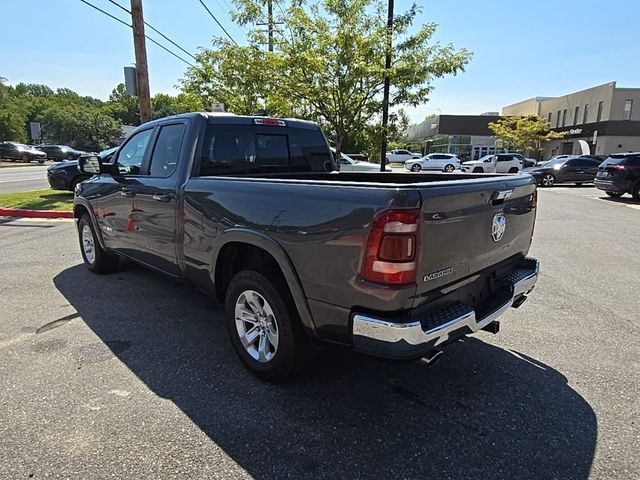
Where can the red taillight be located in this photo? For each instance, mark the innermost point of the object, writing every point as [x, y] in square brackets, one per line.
[390, 255]
[274, 122]
[617, 167]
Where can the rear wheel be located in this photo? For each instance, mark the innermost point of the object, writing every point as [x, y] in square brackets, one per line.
[614, 194]
[95, 258]
[548, 180]
[25, 158]
[415, 168]
[264, 326]
[69, 157]
[636, 191]
[578, 184]
[449, 168]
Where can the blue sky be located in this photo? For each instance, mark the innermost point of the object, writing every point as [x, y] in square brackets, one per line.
[522, 48]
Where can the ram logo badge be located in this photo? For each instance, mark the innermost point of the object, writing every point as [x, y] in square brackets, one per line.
[498, 226]
[438, 274]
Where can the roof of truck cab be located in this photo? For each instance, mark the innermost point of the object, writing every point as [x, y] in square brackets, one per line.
[226, 118]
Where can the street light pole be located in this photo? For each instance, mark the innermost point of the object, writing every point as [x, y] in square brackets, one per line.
[385, 94]
[144, 97]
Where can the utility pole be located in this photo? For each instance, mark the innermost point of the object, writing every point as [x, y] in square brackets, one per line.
[270, 20]
[140, 47]
[385, 94]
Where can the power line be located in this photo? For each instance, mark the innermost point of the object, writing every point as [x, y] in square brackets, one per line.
[130, 26]
[217, 21]
[155, 30]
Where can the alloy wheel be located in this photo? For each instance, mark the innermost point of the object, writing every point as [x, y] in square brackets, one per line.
[256, 326]
[548, 180]
[88, 244]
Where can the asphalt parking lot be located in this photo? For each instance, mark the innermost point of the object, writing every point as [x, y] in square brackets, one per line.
[131, 375]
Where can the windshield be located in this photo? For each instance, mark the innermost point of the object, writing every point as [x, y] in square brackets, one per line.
[348, 158]
[557, 161]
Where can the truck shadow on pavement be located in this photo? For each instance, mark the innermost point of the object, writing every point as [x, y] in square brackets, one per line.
[482, 412]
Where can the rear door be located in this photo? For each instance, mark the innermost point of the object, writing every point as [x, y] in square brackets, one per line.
[459, 219]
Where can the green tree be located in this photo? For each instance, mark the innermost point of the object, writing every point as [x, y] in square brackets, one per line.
[328, 65]
[122, 106]
[83, 128]
[522, 134]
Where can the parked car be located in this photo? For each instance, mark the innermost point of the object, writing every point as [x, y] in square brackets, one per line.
[398, 156]
[620, 174]
[497, 163]
[249, 210]
[575, 169]
[445, 162]
[66, 175]
[20, 152]
[348, 164]
[60, 152]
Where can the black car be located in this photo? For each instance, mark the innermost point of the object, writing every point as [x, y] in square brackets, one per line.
[60, 152]
[620, 174]
[576, 170]
[65, 175]
[20, 152]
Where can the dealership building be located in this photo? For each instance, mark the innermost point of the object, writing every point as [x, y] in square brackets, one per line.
[467, 136]
[606, 116]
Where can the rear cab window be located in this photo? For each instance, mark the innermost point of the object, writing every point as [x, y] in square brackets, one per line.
[246, 149]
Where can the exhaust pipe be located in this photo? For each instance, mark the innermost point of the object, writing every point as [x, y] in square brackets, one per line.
[432, 357]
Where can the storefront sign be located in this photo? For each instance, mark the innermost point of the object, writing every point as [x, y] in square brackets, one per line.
[575, 131]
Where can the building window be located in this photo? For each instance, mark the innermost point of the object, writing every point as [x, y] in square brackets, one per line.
[599, 117]
[585, 115]
[576, 113]
[564, 117]
[558, 119]
[549, 119]
[628, 105]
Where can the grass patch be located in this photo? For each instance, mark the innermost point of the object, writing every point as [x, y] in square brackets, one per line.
[58, 200]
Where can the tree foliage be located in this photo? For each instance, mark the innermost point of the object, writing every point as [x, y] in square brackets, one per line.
[328, 65]
[524, 133]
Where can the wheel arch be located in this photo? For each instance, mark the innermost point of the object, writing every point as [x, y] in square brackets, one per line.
[82, 207]
[241, 249]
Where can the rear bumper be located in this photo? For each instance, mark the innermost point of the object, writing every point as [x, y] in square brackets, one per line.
[405, 340]
[610, 186]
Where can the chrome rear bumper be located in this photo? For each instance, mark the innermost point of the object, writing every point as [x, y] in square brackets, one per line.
[413, 339]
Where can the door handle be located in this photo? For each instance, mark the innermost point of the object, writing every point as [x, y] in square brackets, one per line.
[125, 192]
[162, 197]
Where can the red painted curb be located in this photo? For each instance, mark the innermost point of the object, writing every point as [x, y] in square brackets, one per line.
[22, 213]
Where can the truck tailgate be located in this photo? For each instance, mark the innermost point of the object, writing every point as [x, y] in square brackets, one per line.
[473, 225]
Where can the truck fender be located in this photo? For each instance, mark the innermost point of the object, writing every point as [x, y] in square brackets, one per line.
[273, 248]
[80, 202]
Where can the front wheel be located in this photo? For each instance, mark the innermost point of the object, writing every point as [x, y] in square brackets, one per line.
[513, 170]
[449, 168]
[264, 326]
[548, 180]
[478, 170]
[95, 258]
[415, 168]
[25, 158]
[614, 194]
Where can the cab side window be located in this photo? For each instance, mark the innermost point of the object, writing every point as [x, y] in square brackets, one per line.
[131, 155]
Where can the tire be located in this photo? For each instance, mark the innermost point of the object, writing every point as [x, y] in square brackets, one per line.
[478, 170]
[513, 170]
[614, 194]
[95, 258]
[635, 192]
[272, 316]
[416, 168]
[25, 158]
[449, 168]
[548, 180]
[69, 157]
[579, 184]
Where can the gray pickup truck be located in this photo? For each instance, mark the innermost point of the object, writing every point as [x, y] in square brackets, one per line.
[249, 210]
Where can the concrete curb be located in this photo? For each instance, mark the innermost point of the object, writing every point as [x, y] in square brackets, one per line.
[23, 213]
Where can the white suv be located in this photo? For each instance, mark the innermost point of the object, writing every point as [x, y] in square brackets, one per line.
[499, 163]
[446, 162]
[399, 156]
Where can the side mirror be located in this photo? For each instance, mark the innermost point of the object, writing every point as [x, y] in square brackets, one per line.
[90, 165]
